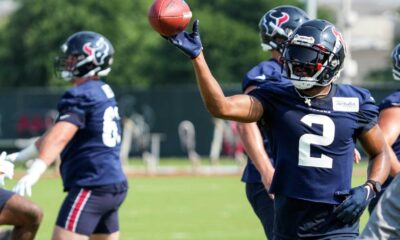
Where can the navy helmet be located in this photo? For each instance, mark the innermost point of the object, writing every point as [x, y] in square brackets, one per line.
[278, 24]
[396, 62]
[84, 54]
[314, 54]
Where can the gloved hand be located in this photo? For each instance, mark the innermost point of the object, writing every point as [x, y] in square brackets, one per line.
[6, 168]
[188, 43]
[350, 210]
[24, 185]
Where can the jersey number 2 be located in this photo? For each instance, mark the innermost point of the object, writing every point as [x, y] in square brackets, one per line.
[328, 135]
[111, 136]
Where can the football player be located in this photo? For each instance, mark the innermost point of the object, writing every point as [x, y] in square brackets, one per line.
[384, 222]
[15, 210]
[275, 27]
[87, 134]
[313, 125]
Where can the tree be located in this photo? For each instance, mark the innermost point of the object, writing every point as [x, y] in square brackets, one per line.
[31, 38]
[35, 32]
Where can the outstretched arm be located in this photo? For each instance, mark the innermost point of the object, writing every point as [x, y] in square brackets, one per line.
[389, 123]
[242, 108]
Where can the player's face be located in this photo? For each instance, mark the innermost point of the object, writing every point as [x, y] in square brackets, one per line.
[303, 70]
[305, 61]
[70, 63]
[65, 66]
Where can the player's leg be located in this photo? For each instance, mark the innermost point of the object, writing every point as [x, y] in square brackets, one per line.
[75, 219]
[112, 236]
[84, 210]
[20, 212]
[262, 205]
[108, 226]
[60, 233]
[384, 222]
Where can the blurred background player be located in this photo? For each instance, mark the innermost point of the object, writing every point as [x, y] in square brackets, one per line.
[87, 134]
[313, 125]
[15, 210]
[275, 28]
[389, 122]
[384, 222]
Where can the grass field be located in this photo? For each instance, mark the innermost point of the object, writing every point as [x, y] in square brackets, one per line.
[174, 208]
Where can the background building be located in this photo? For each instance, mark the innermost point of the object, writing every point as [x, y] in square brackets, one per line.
[370, 29]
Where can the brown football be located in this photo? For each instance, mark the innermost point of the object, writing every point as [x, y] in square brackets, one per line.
[169, 17]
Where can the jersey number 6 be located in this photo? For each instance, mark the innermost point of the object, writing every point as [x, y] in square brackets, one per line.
[111, 136]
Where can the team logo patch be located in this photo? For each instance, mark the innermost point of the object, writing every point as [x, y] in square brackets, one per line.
[345, 104]
[282, 19]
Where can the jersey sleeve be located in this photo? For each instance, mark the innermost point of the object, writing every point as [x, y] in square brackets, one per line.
[266, 93]
[71, 109]
[267, 70]
[368, 113]
[393, 100]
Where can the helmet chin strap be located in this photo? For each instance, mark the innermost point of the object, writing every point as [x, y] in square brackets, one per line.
[303, 84]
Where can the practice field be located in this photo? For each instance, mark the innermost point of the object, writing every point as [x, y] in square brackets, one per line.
[174, 207]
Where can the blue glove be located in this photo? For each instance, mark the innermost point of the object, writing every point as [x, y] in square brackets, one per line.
[351, 209]
[189, 43]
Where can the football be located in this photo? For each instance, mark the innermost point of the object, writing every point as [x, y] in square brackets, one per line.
[169, 17]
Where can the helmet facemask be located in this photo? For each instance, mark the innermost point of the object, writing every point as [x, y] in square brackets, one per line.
[68, 66]
[305, 66]
[276, 40]
[396, 63]
[309, 66]
[396, 74]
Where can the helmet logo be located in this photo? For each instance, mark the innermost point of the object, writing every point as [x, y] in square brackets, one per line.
[339, 37]
[98, 50]
[281, 20]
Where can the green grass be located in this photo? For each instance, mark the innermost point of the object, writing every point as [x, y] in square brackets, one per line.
[174, 208]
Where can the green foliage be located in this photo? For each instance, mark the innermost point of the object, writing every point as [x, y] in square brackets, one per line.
[30, 39]
[384, 75]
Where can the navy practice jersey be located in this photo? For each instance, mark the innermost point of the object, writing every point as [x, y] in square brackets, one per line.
[265, 71]
[393, 100]
[313, 140]
[91, 158]
[269, 70]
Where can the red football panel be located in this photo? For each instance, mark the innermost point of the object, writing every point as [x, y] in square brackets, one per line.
[169, 17]
[173, 25]
[173, 8]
